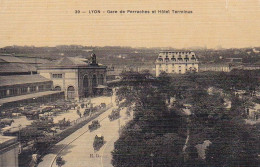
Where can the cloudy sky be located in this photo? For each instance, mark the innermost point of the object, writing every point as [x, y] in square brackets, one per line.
[226, 23]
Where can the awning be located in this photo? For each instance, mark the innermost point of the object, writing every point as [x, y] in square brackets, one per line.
[101, 87]
[28, 96]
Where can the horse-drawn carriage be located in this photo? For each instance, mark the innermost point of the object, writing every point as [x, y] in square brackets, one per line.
[98, 141]
[86, 112]
[5, 122]
[31, 115]
[94, 125]
[115, 114]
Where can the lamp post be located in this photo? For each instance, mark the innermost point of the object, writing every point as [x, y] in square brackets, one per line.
[152, 155]
[19, 138]
[119, 129]
[111, 96]
[34, 100]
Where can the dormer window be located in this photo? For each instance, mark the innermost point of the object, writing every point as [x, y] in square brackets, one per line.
[173, 59]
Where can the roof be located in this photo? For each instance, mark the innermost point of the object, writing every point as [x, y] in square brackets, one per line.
[34, 60]
[99, 135]
[27, 96]
[21, 79]
[6, 141]
[68, 62]
[71, 61]
[11, 59]
[16, 67]
[176, 54]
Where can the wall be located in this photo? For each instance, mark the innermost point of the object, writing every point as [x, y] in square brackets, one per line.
[9, 155]
[69, 78]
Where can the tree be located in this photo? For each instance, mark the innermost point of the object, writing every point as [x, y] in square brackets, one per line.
[154, 127]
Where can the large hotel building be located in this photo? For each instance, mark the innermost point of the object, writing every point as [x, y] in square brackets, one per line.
[176, 62]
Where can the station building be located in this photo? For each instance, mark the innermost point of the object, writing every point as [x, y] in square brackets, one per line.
[77, 77]
[68, 77]
[20, 83]
[9, 149]
[176, 62]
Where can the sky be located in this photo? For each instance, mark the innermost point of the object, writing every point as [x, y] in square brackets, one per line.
[213, 23]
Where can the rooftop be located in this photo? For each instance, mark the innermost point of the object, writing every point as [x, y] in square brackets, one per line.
[10, 59]
[21, 79]
[68, 62]
[175, 55]
[16, 68]
[6, 141]
[33, 60]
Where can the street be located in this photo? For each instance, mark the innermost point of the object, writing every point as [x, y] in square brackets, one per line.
[77, 149]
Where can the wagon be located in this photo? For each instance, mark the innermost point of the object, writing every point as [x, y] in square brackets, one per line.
[98, 141]
[87, 112]
[114, 115]
[94, 125]
[5, 122]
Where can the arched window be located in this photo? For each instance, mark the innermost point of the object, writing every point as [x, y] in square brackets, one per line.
[173, 59]
[71, 92]
[71, 88]
[85, 86]
[101, 79]
[57, 88]
[85, 81]
[94, 81]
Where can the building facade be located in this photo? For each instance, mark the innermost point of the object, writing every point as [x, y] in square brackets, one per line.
[17, 85]
[9, 149]
[176, 62]
[77, 77]
[224, 67]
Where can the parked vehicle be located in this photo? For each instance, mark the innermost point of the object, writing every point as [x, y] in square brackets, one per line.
[86, 112]
[63, 123]
[94, 125]
[98, 141]
[31, 115]
[12, 131]
[103, 105]
[5, 122]
[115, 114]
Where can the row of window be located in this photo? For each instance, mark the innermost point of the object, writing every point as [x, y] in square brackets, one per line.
[179, 70]
[23, 90]
[176, 53]
[179, 59]
[56, 75]
[160, 65]
[100, 78]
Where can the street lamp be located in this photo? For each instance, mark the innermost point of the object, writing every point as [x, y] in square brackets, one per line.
[111, 96]
[19, 138]
[152, 155]
[119, 130]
